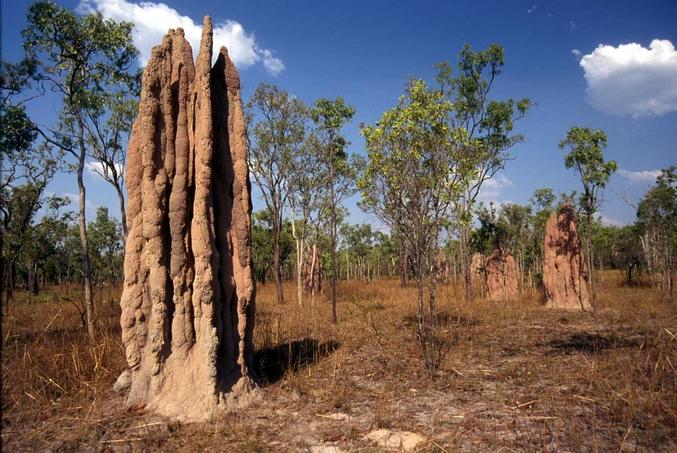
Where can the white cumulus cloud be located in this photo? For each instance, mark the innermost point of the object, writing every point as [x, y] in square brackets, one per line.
[639, 177]
[492, 188]
[98, 170]
[608, 221]
[152, 20]
[631, 79]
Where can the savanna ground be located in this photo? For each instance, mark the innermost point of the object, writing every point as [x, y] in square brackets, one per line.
[515, 377]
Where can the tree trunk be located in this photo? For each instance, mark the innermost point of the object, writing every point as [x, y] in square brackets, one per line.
[300, 249]
[591, 262]
[465, 258]
[33, 287]
[3, 276]
[277, 265]
[313, 263]
[123, 212]
[403, 264]
[84, 242]
[333, 221]
[11, 283]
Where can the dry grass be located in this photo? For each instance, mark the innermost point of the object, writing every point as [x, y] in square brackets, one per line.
[515, 376]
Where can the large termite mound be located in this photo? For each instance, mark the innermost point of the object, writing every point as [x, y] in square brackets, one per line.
[501, 276]
[188, 298]
[565, 278]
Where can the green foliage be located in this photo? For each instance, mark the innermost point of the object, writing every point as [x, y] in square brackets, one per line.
[85, 59]
[22, 161]
[105, 247]
[357, 239]
[616, 247]
[330, 116]
[415, 172]
[262, 243]
[586, 157]
[657, 225]
[31, 243]
[543, 199]
[17, 132]
[489, 124]
[277, 131]
[511, 228]
[416, 165]
[659, 205]
[489, 234]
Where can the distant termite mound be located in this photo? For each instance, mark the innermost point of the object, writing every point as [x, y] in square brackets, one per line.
[477, 267]
[443, 266]
[565, 278]
[501, 276]
[188, 298]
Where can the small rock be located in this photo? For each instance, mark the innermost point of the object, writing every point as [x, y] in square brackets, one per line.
[340, 416]
[325, 449]
[395, 440]
[123, 382]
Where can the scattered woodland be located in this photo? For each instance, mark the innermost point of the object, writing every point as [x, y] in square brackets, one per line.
[359, 327]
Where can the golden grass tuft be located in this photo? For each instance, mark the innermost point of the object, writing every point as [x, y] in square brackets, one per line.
[514, 376]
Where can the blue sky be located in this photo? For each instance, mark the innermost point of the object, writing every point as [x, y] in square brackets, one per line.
[365, 51]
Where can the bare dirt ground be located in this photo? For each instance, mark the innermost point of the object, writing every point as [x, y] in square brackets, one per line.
[515, 377]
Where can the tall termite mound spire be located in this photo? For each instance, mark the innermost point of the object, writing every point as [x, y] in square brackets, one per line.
[501, 276]
[188, 298]
[565, 278]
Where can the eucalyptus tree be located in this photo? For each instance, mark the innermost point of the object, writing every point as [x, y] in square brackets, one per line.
[358, 245]
[20, 207]
[329, 117]
[108, 143]
[542, 203]
[17, 137]
[307, 193]
[277, 132]
[40, 239]
[416, 170]
[586, 156]
[17, 130]
[87, 61]
[27, 167]
[488, 124]
[657, 224]
[106, 247]
[262, 243]
[516, 221]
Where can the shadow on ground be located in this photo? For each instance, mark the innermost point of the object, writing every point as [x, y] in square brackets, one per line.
[272, 363]
[590, 343]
